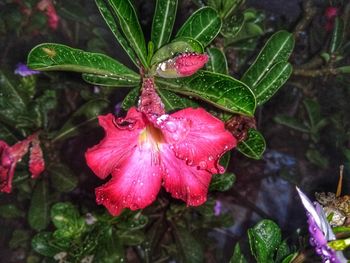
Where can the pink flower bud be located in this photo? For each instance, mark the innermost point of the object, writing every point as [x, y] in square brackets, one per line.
[36, 160]
[331, 12]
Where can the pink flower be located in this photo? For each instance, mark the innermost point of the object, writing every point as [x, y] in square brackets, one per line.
[331, 13]
[11, 155]
[183, 65]
[180, 151]
[49, 8]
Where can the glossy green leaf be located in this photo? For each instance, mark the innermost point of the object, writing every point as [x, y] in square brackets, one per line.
[337, 36]
[254, 146]
[179, 45]
[110, 249]
[203, 25]
[225, 7]
[10, 211]
[237, 256]
[163, 22]
[277, 49]
[222, 182]
[131, 28]
[86, 114]
[264, 239]
[131, 99]
[222, 91]
[38, 214]
[108, 17]
[63, 179]
[173, 101]
[43, 243]
[232, 25]
[313, 111]
[49, 56]
[272, 81]
[110, 81]
[291, 122]
[217, 61]
[189, 248]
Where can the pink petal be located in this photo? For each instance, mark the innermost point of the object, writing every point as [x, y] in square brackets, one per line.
[189, 63]
[118, 145]
[36, 159]
[183, 181]
[198, 138]
[135, 184]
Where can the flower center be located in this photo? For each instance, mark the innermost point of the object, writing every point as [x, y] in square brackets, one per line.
[151, 138]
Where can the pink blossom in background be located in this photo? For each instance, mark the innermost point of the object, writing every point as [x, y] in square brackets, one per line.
[48, 7]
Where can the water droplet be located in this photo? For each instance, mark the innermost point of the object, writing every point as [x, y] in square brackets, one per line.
[203, 164]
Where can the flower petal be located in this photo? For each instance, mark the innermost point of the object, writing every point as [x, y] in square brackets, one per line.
[118, 144]
[134, 185]
[198, 138]
[183, 181]
[36, 159]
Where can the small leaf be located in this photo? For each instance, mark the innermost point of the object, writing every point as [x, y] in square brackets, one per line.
[337, 36]
[172, 101]
[264, 238]
[49, 56]
[217, 61]
[43, 243]
[291, 122]
[282, 252]
[136, 221]
[222, 182]
[86, 114]
[19, 238]
[203, 25]
[237, 257]
[277, 49]
[189, 248]
[222, 91]
[10, 211]
[131, 99]
[63, 179]
[232, 25]
[38, 214]
[131, 238]
[131, 28]
[272, 81]
[344, 69]
[108, 17]
[315, 157]
[110, 81]
[254, 146]
[313, 110]
[110, 249]
[179, 45]
[163, 22]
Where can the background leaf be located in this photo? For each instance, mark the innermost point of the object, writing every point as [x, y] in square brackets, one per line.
[217, 61]
[173, 101]
[203, 25]
[291, 122]
[254, 146]
[188, 247]
[222, 182]
[163, 22]
[222, 91]
[337, 35]
[110, 81]
[63, 179]
[232, 25]
[237, 256]
[131, 99]
[131, 28]
[277, 49]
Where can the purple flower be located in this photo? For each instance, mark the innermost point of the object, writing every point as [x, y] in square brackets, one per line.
[24, 71]
[217, 208]
[320, 231]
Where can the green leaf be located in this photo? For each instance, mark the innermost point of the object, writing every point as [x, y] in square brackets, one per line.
[131, 99]
[237, 256]
[203, 25]
[63, 179]
[110, 81]
[282, 252]
[10, 211]
[264, 239]
[344, 69]
[315, 157]
[222, 91]
[189, 248]
[217, 61]
[38, 214]
[6, 135]
[232, 25]
[313, 110]
[110, 249]
[222, 182]
[19, 238]
[49, 56]
[291, 122]
[135, 221]
[86, 114]
[108, 17]
[254, 146]
[163, 22]
[337, 36]
[277, 49]
[272, 81]
[43, 243]
[131, 28]
[290, 258]
[179, 45]
[172, 101]
[131, 238]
